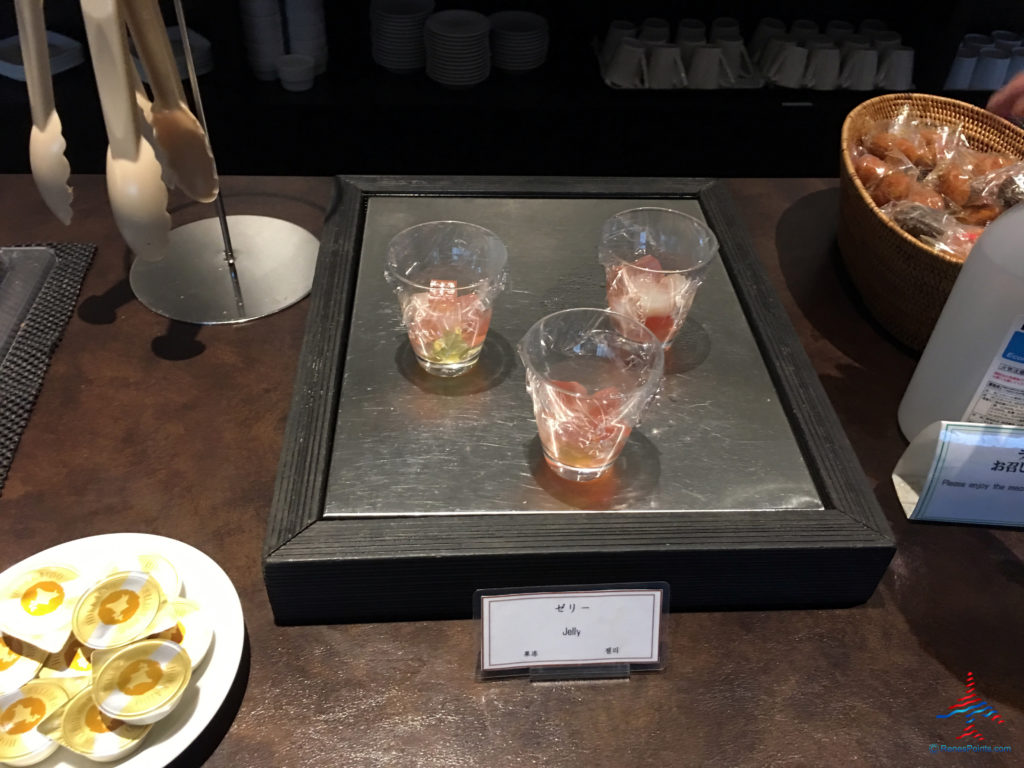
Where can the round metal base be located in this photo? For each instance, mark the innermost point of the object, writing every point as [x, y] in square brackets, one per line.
[447, 370]
[577, 474]
[274, 264]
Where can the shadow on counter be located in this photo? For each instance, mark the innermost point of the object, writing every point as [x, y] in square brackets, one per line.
[942, 581]
[857, 371]
[823, 289]
[943, 575]
[179, 342]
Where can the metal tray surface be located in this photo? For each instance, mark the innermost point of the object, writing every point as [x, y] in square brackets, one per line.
[408, 443]
[399, 494]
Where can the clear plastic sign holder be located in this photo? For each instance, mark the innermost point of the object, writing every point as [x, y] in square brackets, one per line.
[229, 269]
[571, 632]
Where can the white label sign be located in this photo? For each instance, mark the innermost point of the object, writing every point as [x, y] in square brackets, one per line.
[964, 473]
[537, 629]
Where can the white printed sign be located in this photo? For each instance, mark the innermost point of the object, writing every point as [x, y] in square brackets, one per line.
[536, 629]
[961, 472]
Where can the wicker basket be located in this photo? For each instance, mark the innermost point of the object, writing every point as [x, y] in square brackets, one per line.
[903, 282]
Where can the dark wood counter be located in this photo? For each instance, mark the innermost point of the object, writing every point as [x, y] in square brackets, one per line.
[149, 425]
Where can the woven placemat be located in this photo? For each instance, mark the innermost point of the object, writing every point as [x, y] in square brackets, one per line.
[25, 364]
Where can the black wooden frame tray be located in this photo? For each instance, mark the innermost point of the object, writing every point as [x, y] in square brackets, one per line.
[321, 569]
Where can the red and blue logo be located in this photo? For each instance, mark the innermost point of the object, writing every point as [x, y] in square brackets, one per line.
[973, 708]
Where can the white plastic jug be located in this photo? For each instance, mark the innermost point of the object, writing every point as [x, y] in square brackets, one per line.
[972, 368]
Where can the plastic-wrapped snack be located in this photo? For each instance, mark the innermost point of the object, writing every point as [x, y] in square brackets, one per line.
[1011, 189]
[932, 227]
[925, 195]
[900, 185]
[894, 186]
[870, 169]
[886, 179]
[964, 177]
[979, 214]
[932, 184]
[1002, 187]
[958, 239]
[987, 162]
[887, 145]
[953, 180]
[940, 143]
[919, 143]
[917, 220]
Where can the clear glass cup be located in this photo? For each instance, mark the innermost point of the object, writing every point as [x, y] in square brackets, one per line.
[446, 275]
[591, 374]
[655, 260]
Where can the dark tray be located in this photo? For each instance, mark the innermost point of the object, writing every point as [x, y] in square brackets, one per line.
[399, 494]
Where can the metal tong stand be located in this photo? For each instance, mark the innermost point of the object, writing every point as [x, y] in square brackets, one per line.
[201, 281]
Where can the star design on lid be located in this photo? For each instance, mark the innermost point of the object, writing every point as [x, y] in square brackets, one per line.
[79, 662]
[7, 656]
[141, 678]
[22, 714]
[44, 598]
[22, 717]
[119, 607]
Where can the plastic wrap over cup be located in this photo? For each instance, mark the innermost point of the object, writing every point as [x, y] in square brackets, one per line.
[591, 374]
[446, 275]
[655, 260]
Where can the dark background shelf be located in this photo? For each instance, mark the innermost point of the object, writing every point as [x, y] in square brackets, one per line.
[559, 119]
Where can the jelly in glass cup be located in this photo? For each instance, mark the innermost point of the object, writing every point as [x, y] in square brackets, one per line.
[446, 275]
[655, 260]
[591, 374]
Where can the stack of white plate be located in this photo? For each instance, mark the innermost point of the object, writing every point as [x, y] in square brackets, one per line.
[264, 36]
[396, 31]
[307, 31]
[458, 48]
[519, 40]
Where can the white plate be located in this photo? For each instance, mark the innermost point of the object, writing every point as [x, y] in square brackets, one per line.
[456, 24]
[204, 582]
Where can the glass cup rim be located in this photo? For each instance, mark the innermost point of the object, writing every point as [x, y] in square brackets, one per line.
[712, 240]
[653, 341]
[391, 270]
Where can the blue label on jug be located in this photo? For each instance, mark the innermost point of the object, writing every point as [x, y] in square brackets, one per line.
[1015, 348]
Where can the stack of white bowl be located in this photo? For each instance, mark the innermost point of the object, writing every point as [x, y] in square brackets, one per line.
[264, 36]
[396, 31]
[458, 48]
[307, 31]
[519, 40]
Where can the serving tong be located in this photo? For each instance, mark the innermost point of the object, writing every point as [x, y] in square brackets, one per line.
[156, 143]
[46, 145]
[153, 144]
[178, 133]
[138, 197]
